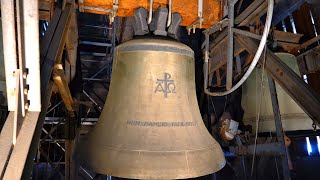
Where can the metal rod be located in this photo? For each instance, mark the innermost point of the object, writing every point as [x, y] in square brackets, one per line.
[96, 74]
[95, 79]
[94, 102]
[92, 60]
[169, 14]
[229, 76]
[95, 43]
[150, 12]
[93, 54]
[94, 26]
[54, 107]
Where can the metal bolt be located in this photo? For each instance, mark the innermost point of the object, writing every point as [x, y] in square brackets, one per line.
[25, 91]
[24, 75]
[26, 106]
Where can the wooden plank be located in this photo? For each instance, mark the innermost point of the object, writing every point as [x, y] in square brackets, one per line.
[44, 15]
[46, 40]
[57, 44]
[218, 54]
[44, 5]
[257, 13]
[6, 138]
[45, 100]
[54, 53]
[286, 36]
[254, 5]
[20, 151]
[288, 47]
[306, 44]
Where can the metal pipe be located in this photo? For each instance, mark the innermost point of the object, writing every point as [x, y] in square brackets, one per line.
[169, 14]
[94, 26]
[95, 79]
[94, 102]
[200, 9]
[96, 74]
[150, 12]
[93, 54]
[229, 76]
[95, 43]
[253, 63]
[54, 107]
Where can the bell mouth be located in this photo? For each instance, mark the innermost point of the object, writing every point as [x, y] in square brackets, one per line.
[135, 164]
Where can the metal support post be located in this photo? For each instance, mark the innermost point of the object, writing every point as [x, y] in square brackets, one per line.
[279, 129]
[229, 76]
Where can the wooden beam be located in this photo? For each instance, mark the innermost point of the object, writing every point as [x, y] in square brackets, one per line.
[6, 138]
[286, 36]
[256, 14]
[55, 49]
[249, 10]
[218, 54]
[20, 151]
[54, 54]
[306, 44]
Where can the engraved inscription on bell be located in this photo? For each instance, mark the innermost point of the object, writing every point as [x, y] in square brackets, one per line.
[165, 85]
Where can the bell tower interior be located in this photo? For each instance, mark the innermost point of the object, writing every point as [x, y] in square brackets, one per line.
[159, 89]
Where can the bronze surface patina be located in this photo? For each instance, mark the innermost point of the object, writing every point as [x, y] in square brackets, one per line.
[151, 127]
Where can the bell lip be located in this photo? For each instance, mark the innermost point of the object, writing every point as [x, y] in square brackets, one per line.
[215, 150]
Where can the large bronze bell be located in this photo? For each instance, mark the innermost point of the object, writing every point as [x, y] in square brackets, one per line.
[150, 126]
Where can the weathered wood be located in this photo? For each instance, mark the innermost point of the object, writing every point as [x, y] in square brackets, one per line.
[46, 40]
[45, 4]
[57, 43]
[44, 15]
[20, 151]
[45, 100]
[249, 10]
[218, 54]
[72, 47]
[303, 23]
[286, 36]
[256, 14]
[6, 142]
[70, 134]
[56, 47]
[293, 84]
[288, 47]
[218, 38]
[306, 44]
[279, 128]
